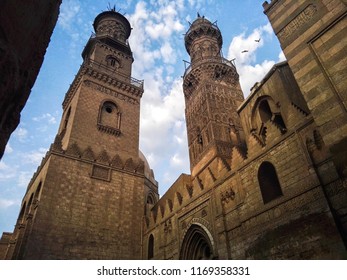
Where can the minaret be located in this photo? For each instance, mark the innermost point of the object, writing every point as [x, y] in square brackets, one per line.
[89, 196]
[212, 94]
[104, 81]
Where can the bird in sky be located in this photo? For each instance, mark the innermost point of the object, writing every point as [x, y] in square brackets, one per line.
[244, 51]
[258, 40]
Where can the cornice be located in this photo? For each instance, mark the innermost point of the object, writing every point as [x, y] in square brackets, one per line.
[133, 88]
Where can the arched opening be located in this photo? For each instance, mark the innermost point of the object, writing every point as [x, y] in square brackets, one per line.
[268, 181]
[150, 247]
[109, 119]
[264, 111]
[150, 199]
[112, 61]
[65, 123]
[30, 204]
[67, 118]
[37, 192]
[196, 245]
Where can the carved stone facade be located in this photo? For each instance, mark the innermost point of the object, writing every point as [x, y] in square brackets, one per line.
[268, 176]
[24, 39]
[268, 173]
[88, 197]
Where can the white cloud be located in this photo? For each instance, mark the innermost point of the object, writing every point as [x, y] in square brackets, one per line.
[281, 57]
[156, 26]
[244, 50]
[163, 133]
[5, 203]
[8, 149]
[68, 11]
[6, 172]
[24, 178]
[46, 117]
[34, 157]
[21, 133]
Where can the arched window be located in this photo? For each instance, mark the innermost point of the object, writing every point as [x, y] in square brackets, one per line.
[112, 62]
[150, 247]
[264, 111]
[150, 199]
[109, 119]
[21, 213]
[66, 121]
[196, 245]
[268, 181]
[30, 204]
[38, 190]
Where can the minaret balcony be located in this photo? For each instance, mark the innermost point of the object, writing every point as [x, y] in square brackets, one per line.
[207, 60]
[92, 64]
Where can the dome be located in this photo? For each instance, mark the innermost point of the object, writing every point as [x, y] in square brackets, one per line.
[113, 24]
[149, 174]
[202, 27]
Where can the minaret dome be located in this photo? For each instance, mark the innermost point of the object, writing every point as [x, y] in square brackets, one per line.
[112, 24]
[202, 28]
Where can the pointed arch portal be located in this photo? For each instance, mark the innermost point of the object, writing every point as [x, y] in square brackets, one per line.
[196, 244]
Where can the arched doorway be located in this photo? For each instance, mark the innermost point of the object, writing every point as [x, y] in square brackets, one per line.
[196, 244]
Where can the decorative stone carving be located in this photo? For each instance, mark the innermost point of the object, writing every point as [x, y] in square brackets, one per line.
[227, 196]
[109, 130]
[88, 154]
[162, 210]
[108, 91]
[57, 145]
[179, 198]
[140, 167]
[129, 165]
[103, 157]
[211, 174]
[169, 202]
[190, 190]
[117, 162]
[73, 150]
[203, 213]
[101, 172]
[200, 183]
[305, 16]
[168, 226]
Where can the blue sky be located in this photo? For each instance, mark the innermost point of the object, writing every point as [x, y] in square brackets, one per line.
[157, 42]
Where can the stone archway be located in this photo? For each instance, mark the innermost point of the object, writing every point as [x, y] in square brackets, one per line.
[197, 244]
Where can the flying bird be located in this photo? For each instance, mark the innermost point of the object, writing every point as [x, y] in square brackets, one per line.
[258, 40]
[244, 51]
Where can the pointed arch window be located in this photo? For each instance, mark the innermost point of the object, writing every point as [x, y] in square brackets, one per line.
[109, 119]
[268, 181]
[150, 247]
[196, 245]
[66, 121]
[21, 216]
[112, 62]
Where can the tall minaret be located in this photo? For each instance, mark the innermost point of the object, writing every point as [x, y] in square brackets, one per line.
[91, 192]
[212, 94]
[104, 82]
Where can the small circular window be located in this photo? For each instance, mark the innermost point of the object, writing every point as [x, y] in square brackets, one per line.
[108, 109]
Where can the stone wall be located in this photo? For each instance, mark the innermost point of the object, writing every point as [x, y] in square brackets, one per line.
[296, 224]
[25, 31]
[312, 36]
[87, 209]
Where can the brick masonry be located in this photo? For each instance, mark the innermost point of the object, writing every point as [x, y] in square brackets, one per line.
[268, 174]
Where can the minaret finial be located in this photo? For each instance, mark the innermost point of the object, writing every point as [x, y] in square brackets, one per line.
[111, 9]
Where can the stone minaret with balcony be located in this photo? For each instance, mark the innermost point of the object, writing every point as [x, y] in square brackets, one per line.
[88, 197]
[212, 95]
